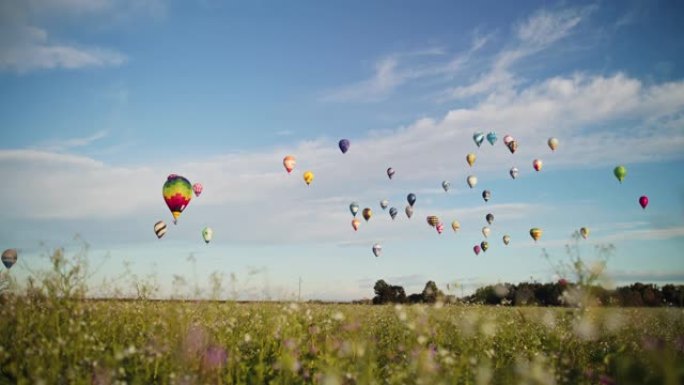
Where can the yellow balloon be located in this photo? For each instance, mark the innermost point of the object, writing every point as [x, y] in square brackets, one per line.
[470, 158]
[455, 225]
[308, 177]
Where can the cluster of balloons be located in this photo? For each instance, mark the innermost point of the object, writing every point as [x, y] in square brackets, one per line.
[177, 192]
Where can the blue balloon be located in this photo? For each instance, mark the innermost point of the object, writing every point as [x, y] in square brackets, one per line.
[344, 145]
[491, 138]
[393, 212]
[411, 198]
[478, 138]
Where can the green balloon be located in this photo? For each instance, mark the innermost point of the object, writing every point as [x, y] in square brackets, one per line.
[620, 173]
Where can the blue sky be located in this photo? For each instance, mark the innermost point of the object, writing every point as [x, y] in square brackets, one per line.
[101, 99]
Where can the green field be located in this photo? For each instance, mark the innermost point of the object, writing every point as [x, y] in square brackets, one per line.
[51, 340]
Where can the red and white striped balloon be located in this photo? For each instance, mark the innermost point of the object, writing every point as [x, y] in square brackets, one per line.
[197, 188]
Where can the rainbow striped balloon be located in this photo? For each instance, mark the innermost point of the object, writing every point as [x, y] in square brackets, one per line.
[177, 193]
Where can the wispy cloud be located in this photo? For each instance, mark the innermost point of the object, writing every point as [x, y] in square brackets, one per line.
[72, 143]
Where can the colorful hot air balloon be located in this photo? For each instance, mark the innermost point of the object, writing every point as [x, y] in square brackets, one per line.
[506, 239]
[308, 177]
[486, 195]
[197, 189]
[584, 232]
[484, 246]
[477, 249]
[207, 234]
[432, 220]
[344, 145]
[537, 164]
[160, 229]
[471, 180]
[367, 213]
[177, 192]
[384, 203]
[289, 162]
[439, 227]
[620, 173]
[491, 137]
[489, 218]
[411, 198]
[643, 201]
[390, 172]
[9, 258]
[355, 224]
[409, 211]
[393, 212]
[486, 231]
[478, 138]
[514, 172]
[354, 208]
[536, 233]
[455, 225]
[377, 249]
[470, 158]
[553, 144]
[507, 139]
[512, 146]
[446, 185]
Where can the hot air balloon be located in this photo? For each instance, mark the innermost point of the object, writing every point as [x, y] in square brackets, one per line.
[377, 249]
[197, 189]
[409, 211]
[490, 218]
[384, 203]
[344, 145]
[207, 234]
[393, 212]
[486, 231]
[308, 177]
[484, 246]
[289, 162]
[455, 225]
[536, 233]
[354, 208]
[514, 172]
[507, 139]
[620, 173]
[477, 249]
[160, 229]
[486, 195]
[470, 158]
[367, 213]
[506, 239]
[446, 185]
[9, 258]
[478, 138]
[390, 172]
[643, 201]
[537, 164]
[177, 192]
[584, 232]
[553, 144]
[432, 220]
[411, 198]
[491, 138]
[355, 224]
[512, 146]
[472, 181]
[439, 228]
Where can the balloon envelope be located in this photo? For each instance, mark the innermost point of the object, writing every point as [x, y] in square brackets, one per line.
[355, 224]
[470, 158]
[486, 231]
[367, 213]
[478, 138]
[514, 172]
[446, 185]
[489, 218]
[486, 195]
[512, 146]
[411, 198]
[344, 145]
[455, 225]
[207, 234]
[289, 162]
[9, 257]
[537, 164]
[477, 249]
[409, 211]
[390, 172]
[472, 181]
[484, 246]
[177, 193]
[584, 232]
[506, 239]
[377, 249]
[536, 233]
[439, 228]
[643, 201]
[432, 220]
[393, 212]
[553, 144]
[197, 189]
[507, 139]
[160, 229]
[620, 173]
[354, 208]
[491, 138]
[308, 177]
[384, 203]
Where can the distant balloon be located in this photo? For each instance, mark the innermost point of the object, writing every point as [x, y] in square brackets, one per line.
[355, 223]
[478, 138]
[354, 208]
[384, 203]
[197, 189]
[620, 173]
[470, 158]
[490, 218]
[536, 233]
[9, 258]
[344, 145]
[439, 228]
[477, 249]
[432, 220]
[484, 246]
[584, 232]
[207, 234]
[308, 177]
[393, 212]
[367, 213]
[537, 164]
[506, 239]
[512, 146]
[377, 249]
[160, 229]
[289, 162]
[472, 181]
[553, 144]
[643, 201]
[486, 195]
[390, 172]
[177, 192]
[455, 225]
[409, 211]
[514, 172]
[507, 139]
[446, 185]
[411, 198]
[491, 138]
[486, 231]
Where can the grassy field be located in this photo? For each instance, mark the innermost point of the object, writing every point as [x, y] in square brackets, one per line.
[52, 340]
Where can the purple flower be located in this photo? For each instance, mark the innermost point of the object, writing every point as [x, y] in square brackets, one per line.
[215, 357]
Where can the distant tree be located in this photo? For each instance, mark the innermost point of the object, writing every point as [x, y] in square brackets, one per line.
[415, 298]
[386, 293]
[431, 293]
[673, 295]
